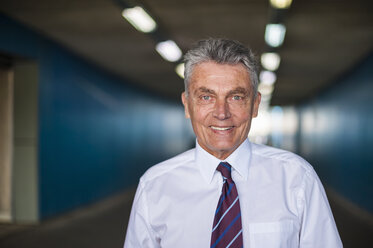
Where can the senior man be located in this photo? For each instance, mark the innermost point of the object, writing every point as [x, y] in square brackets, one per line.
[227, 191]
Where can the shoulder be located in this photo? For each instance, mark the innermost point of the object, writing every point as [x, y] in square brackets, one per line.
[286, 166]
[278, 157]
[168, 166]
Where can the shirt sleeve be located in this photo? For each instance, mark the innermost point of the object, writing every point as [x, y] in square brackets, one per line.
[318, 227]
[139, 231]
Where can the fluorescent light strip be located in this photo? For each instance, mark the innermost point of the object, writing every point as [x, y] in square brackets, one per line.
[141, 20]
[180, 70]
[281, 4]
[270, 61]
[265, 89]
[169, 50]
[267, 77]
[275, 34]
[265, 98]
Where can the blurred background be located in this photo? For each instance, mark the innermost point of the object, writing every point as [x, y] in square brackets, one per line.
[90, 98]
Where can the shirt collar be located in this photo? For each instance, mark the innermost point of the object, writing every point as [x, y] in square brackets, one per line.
[239, 160]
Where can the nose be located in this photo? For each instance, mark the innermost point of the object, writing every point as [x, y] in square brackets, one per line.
[221, 110]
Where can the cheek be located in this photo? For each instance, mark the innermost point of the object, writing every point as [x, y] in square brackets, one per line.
[201, 113]
[244, 120]
[242, 115]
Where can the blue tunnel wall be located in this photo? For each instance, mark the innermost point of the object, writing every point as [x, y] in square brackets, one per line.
[97, 134]
[336, 134]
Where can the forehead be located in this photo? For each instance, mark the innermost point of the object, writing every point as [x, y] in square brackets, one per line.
[218, 76]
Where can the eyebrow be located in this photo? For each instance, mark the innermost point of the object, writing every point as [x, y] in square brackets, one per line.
[204, 90]
[238, 90]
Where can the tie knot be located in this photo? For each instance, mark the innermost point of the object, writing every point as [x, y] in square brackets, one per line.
[225, 169]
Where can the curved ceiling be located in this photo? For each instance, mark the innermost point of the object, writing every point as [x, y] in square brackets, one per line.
[323, 38]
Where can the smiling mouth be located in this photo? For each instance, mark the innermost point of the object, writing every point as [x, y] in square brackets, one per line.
[221, 128]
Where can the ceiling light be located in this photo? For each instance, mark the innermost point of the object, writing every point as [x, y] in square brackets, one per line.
[267, 77]
[169, 50]
[180, 70]
[265, 89]
[141, 20]
[270, 61]
[265, 99]
[275, 34]
[281, 4]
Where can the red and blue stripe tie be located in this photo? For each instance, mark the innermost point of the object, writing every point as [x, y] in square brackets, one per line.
[227, 227]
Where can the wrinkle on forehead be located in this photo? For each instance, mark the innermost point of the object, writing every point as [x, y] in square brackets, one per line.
[222, 77]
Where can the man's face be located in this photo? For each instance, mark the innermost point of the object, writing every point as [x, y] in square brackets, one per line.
[220, 105]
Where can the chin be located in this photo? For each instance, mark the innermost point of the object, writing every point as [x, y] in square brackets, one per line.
[224, 147]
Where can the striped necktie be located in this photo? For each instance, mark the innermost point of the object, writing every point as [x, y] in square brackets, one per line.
[227, 227]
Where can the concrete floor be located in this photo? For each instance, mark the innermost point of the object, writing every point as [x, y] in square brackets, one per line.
[104, 224]
[100, 225]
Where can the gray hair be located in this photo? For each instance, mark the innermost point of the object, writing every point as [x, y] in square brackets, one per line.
[221, 51]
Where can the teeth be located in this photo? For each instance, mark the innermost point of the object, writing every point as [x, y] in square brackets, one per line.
[220, 128]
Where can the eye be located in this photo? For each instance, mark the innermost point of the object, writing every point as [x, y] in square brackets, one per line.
[237, 98]
[206, 98]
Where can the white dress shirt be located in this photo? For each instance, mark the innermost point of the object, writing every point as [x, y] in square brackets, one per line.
[283, 203]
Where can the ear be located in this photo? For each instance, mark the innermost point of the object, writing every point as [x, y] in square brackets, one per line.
[256, 104]
[184, 99]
